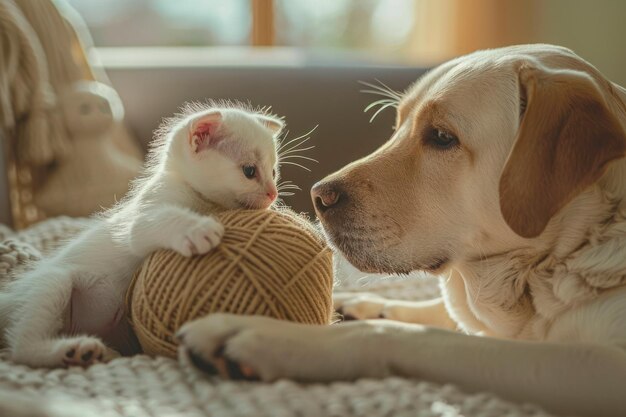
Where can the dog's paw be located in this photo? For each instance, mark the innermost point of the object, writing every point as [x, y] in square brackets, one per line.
[250, 347]
[360, 306]
[199, 237]
[212, 345]
[84, 351]
[260, 348]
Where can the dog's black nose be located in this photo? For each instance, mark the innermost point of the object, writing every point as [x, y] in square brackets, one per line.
[326, 195]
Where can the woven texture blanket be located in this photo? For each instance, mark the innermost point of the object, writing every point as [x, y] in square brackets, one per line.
[142, 386]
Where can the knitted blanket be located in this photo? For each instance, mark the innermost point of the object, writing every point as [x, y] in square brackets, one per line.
[142, 386]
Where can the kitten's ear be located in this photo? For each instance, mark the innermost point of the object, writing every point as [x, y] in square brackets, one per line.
[274, 124]
[203, 131]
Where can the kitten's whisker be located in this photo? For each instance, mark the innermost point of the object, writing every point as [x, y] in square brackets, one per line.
[301, 157]
[285, 194]
[288, 147]
[284, 142]
[308, 148]
[282, 145]
[287, 185]
[295, 187]
[296, 164]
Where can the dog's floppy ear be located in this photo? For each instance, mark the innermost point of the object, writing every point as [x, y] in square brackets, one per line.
[566, 138]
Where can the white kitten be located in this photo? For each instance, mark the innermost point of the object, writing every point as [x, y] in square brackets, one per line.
[209, 158]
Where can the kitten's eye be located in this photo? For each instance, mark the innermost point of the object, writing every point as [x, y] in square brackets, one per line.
[273, 173]
[441, 139]
[249, 171]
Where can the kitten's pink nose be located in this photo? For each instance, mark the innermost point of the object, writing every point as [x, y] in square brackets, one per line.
[272, 193]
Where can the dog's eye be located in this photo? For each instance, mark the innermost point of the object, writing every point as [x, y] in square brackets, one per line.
[249, 171]
[442, 139]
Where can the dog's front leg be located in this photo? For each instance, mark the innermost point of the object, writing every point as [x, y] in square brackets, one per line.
[581, 379]
[568, 378]
[363, 306]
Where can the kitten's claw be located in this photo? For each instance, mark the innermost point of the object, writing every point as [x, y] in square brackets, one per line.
[200, 237]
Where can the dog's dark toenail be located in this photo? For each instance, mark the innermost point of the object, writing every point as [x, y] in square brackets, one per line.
[70, 353]
[87, 356]
[199, 362]
[233, 370]
[219, 352]
[381, 316]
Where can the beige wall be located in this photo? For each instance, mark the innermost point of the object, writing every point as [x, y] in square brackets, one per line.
[594, 29]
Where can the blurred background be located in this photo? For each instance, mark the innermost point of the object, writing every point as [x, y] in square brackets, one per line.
[422, 32]
[310, 55]
[305, 58]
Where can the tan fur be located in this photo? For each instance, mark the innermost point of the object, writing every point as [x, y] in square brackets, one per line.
[524, 221]
[514, 204]
[567, 137]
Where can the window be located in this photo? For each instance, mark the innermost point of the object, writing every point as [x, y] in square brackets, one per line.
[383, 28]
[115, 23]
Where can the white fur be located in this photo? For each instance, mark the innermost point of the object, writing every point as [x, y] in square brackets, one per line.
[69, 309]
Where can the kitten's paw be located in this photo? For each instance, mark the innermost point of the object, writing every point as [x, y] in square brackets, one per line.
[200, 237]
[58, 353]
[84, 351]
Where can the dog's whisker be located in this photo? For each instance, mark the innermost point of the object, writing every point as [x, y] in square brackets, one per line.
[382, 90]
[378, 93]
[385, 87]
[379, 102]
[379, 111]
[396, 93]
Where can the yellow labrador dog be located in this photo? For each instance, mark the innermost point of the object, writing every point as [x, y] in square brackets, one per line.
[505, 177]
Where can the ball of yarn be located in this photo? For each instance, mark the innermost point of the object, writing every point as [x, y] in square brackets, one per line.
[270, 262]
